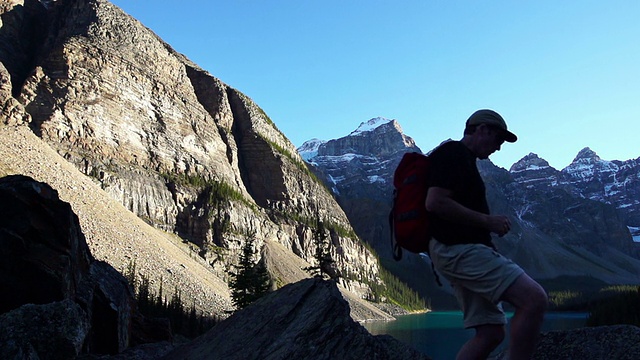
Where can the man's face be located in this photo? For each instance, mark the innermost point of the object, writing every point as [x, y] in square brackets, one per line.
[491, 139]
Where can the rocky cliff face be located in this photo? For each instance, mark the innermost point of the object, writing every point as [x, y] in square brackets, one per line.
[573, 222]
[176, 146]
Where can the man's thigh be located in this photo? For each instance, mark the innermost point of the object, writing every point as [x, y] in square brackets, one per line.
[476, 268]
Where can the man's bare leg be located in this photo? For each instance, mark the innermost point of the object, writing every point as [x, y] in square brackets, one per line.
[530, 301]
[486, 339]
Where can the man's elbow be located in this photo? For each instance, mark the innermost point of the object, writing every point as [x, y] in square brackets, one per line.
[432, 205]
[436, 201]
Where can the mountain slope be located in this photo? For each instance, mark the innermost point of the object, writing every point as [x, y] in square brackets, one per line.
[114, 234]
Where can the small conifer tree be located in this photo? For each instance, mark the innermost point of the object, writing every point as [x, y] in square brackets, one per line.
[322, 254]
[251, 280]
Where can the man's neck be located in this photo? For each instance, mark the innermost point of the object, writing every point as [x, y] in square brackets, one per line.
[469, 143]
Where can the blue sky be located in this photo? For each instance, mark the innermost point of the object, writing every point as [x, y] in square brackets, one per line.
[564, 74]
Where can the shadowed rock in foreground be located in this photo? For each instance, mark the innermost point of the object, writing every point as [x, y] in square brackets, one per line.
[620, 342]
[305, 320]
[56, 300]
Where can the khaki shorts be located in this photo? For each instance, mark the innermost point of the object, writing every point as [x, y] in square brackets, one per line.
[479, 276]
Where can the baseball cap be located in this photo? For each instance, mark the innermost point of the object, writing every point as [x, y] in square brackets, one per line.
[492, 118]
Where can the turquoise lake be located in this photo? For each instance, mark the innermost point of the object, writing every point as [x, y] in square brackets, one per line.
[439, 334]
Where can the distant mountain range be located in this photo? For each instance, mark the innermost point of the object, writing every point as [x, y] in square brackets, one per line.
[578, 222]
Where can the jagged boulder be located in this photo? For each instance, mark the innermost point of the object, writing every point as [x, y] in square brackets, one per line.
[51, 331]
[53, 291]
[305, 320]
[44, 256]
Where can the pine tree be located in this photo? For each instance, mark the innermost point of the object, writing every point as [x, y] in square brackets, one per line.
[322, 254]
[144, 293]
[251, 279]
[130, 275]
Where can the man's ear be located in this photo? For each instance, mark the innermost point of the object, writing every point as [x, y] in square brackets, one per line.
[483, 128]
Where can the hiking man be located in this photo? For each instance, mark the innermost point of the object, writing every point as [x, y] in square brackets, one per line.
[462, 251]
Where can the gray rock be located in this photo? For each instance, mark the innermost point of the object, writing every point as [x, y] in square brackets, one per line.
[305, 320]
[50, 331]
[45, 256]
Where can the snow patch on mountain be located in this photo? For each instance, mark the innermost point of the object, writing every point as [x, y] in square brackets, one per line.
[635, 232]
[334, 181]
[342, 158]
[370, 125]
[530, 167]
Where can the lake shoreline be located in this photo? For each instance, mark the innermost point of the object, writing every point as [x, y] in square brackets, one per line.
[440, 334]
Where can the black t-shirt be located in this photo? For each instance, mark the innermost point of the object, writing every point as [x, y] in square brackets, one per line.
[453, 167]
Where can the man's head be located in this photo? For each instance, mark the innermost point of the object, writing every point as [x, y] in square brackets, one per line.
[485, 132]
[494, 120]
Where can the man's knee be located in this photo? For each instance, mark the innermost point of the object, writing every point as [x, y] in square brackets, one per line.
[526, 293]
[538, 298]
[492, 335]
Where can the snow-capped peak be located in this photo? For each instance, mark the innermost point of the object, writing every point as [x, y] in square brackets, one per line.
[586, 154]
[529, 162]
[309, 149]
[370, 125]
[587, 160]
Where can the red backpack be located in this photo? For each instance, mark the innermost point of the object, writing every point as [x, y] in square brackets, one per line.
[409, 219]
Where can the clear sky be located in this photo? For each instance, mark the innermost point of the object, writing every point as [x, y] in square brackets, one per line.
[564, 74]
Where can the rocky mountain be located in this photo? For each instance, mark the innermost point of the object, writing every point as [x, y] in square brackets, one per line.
[359, 170]
[573, 223]
[169, 142]
[611, 182]
[47, 271]
[358, 167]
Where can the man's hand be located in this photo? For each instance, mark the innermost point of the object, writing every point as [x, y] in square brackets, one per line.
[499, 224]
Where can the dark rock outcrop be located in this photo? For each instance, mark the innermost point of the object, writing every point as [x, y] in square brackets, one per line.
[56, 300]
[45, 256]
[620, 342]
[305, 320]
[50, 331]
